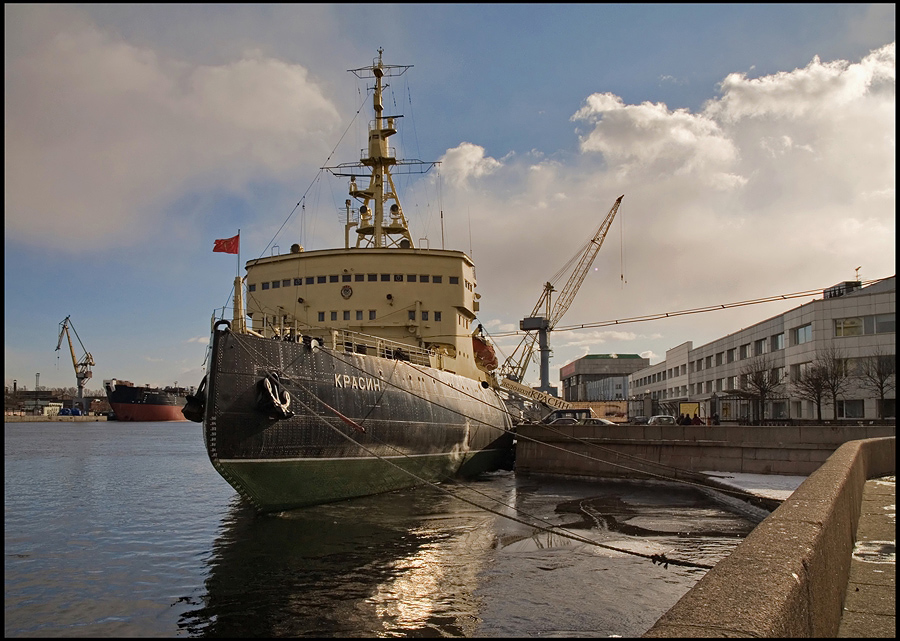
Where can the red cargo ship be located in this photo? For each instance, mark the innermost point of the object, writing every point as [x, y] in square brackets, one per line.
[131, 403]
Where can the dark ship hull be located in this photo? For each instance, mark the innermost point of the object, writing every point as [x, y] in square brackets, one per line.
[131, 403]
[355, 424]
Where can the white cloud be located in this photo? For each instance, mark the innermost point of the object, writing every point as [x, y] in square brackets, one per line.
[102, 135]
[467, 161]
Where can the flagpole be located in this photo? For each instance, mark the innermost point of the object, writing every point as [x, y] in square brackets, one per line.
[238, 271]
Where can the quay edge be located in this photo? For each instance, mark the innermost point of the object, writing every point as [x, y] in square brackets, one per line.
[790, 576]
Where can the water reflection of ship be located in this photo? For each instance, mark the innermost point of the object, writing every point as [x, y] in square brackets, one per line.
[384, 564]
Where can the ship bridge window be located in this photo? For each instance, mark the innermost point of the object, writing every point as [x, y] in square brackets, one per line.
[454, 280]
[398, 278]
[251, 288]
[410, 278]
[359, 315]
[320, 279]
[437, 279]
[424, 316]
[437, 316]
[265, 285]
[334, 278]
[334, 316]
[346, 314]
[310, 280]
[346, 278]
[372, 277]
[298, 281]
[412, 314]
[385, 277]
[276, 284]
[321, 317]
[359, 277]
[371, 314]
[423, 278]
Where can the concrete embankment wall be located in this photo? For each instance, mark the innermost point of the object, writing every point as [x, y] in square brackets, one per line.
[641, 451]
[788, 577]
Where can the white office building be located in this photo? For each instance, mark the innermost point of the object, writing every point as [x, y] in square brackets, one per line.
[853, 321]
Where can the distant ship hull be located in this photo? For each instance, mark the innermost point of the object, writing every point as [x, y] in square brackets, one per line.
[420, 424]
[144, 404]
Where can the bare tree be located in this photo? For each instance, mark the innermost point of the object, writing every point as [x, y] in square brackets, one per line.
[758, 382]
[836, 375]
[810, 386]
[877, 374]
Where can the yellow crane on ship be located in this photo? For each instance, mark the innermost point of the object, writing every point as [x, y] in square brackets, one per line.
[82, 366]
[538, 325]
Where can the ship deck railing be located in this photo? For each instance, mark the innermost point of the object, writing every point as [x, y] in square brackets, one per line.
[357, 343]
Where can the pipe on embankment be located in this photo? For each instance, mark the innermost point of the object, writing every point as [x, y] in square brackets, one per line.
[788, 577]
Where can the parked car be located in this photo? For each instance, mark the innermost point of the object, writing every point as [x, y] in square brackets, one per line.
[662, 419]
[639, 420]
[564, 420]
[595, 421]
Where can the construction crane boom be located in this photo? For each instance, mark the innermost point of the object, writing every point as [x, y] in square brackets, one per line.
[538, 325]
[83, 366]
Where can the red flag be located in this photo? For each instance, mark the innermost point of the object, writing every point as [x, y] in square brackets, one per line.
[228, 245]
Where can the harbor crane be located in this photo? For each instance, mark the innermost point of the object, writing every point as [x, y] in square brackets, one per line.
[83, 366]
[538, 326]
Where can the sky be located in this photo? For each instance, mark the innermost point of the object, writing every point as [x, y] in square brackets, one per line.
[754, 145]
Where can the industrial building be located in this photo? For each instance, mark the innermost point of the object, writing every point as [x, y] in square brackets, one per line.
[600, 377]
[856, 323]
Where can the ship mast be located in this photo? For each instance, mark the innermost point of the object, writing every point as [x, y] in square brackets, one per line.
[372, 228]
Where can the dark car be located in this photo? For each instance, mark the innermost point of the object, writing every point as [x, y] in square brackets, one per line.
[640, 420]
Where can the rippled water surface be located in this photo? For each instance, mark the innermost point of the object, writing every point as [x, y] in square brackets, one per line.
[126, 530]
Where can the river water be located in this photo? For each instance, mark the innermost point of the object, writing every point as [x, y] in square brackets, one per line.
[126, 530]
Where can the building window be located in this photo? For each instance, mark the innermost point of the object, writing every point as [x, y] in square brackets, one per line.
[265, 285]
[777, 375]
[731, 354]
[878, 324]
[709, 362]
[745, 351]
[760, 347]
[848, 327]
[719, 358]
[850, 409]
[803, 334]
[778, 342]
[454, 280]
